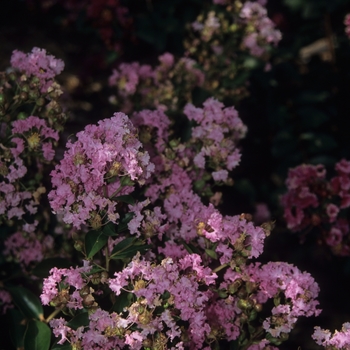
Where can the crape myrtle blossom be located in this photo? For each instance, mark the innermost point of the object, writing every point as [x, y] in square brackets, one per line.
[35, 134]
[28, 245]
[181, 283]
[312, 200]
[299, 288]
[338, 340]
[39, 64]
[56, 287]
[106, 161]
[164, 86]
[260, 30]
[218, 131]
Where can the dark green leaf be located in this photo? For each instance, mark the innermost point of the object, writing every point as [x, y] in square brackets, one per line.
[65, 346]
[127, 248]
[43, 268]
[311, 117]
[94, 242]
[109, 229]
[211, 253]
[123, 225]
[16, 327]
[121, 302]
[125, 199]
[28, 303]
[37, 336]
[79, 320]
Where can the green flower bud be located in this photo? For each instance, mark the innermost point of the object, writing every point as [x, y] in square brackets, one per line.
[21, 116]
[40, 101]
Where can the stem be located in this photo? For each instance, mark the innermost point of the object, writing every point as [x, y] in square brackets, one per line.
[53, 314]
[116, 192]
[107, 257]
[219, 268]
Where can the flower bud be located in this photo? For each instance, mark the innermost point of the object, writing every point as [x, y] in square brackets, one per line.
[147, 343]
[243, 304]
[95, 278]
[40, 102]
[79, 245]
[23, 96]
[21, 116]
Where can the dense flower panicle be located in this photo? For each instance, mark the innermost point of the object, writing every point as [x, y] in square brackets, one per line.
[92, 172]
[39, 64]
[271, 280]
[142, 86]
[36, 135]
[28, 246]
[347, 24]
[260, 31]
[218, 132]
[304, 183]
[13, 203]
[150, 282]
[153, 126]
[338, 340]
[72, 277]
[312, 200]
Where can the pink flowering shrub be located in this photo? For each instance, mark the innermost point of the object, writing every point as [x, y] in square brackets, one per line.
[312, 201]
[151, 262]
[187, 280]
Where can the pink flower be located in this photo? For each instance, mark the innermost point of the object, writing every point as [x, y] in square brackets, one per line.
[332, 212]
[39, 64]
[92, 171]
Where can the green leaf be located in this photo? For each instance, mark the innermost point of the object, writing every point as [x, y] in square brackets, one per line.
[126, 199]
[94, 242]
[37, 336]
[65, 346]
[311, 117]
[127, 248]
[123, 301]
[79, 320]
[123, 225]
[42, 270]
[16, 327]
[211, 253]
[28, 303]
[109, 229]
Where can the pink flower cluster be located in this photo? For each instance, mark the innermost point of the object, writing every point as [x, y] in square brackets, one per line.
[300, 291]
[34, 133]
[56, 287]
[105, 161]
[216, 136]
[260, 29]
[311, 200]
[30, 139]
[38, 64]
[27, 245]
[339, 340]
[347, 24]
[141, 86]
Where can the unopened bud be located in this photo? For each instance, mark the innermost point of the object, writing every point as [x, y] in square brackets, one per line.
[40, 102]
[95, 278]
[79, 246]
